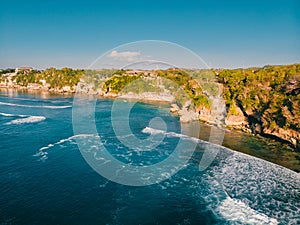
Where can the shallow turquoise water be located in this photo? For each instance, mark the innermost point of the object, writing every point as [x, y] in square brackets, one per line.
[45, 180]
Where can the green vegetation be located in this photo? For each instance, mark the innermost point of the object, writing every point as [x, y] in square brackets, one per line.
[140, 86]
[117, 82]
[271, 95]
[55, 77]
[8, 70]
[179, 82]
[189, 83]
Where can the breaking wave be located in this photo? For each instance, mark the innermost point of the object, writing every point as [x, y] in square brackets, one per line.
[240, 189]
[253, 191]
[247, 190]
[236, 211]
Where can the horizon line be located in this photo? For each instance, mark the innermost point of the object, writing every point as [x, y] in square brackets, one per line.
[214, 68]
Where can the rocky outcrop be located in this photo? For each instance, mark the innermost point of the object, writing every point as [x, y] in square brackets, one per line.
[242, 119]
[261, 101]
[174, 108]
[185, 113]
[262, 123]
[41, 87]
[292, 86]
[288, 135]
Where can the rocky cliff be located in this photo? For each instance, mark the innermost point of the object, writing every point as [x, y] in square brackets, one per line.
[263, 101]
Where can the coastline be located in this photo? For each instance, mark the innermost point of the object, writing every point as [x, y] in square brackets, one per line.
[282, 153]
[254, 106]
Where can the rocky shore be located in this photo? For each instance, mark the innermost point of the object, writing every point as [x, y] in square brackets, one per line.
[219, 117]
[255, 114]
[239, 121]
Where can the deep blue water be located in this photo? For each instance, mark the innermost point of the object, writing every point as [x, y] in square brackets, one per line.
[44, 178]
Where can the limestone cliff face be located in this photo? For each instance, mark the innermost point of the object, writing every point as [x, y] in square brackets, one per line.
[266, 117]
[264, 125]
[290, 115]
[236, 119]
[270, 119]
[263, 101]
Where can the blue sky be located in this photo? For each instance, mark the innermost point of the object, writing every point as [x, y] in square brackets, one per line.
[74, 33]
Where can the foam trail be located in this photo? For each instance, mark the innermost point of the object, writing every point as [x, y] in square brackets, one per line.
[12, 115]
[30, 119]
[23, 119]
[37, 106]
[42, 152]
[150, 130]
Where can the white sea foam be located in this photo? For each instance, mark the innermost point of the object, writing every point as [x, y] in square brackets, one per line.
[249, 184]
[42, 152]
[235, 210]
[242, 187]
[23, 119]
[12, 115]
[30, 119]
[37, 106]
[149, 130]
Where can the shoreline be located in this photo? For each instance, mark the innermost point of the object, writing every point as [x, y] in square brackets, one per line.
[288, 152]
[260, 107]
[240, 127]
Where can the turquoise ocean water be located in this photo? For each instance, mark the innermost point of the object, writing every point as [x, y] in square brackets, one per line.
[45, 180]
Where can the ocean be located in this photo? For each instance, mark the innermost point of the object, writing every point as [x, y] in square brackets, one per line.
[45, 178]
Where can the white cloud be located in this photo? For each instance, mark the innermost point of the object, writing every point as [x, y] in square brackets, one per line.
[124, 56]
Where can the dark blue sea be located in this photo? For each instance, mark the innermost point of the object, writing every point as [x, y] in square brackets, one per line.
[44, 178]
